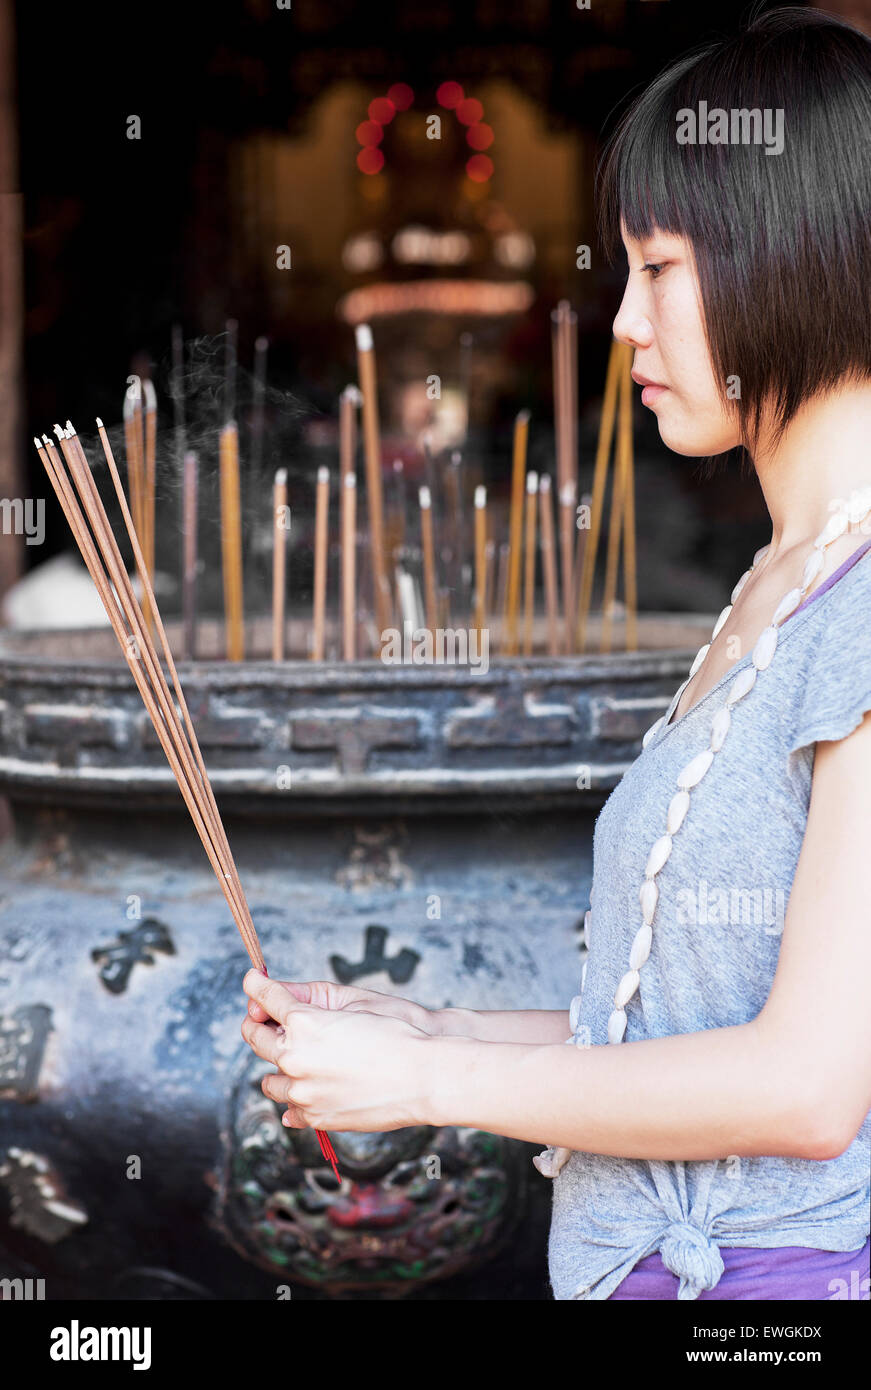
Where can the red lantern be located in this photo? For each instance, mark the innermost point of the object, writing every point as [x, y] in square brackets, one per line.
[479, 168]
[449, 95]
[480, 136]
[382, 110]
[470, 111]
[371, 160]
[369, 133]
[401, 95]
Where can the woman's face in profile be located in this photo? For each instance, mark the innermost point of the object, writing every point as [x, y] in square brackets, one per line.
[661, 318]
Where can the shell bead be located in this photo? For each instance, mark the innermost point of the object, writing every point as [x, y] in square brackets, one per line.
[574, 1012]
[719, 728]
[741, 685]
[698, 659]
[720, 621]
[787, 605]
[649, 895]
[859, 506]
[766, 646]
[659, 853]
[640, 947]
[692, 774]
[763, 550]
[588, 916]
[677, 809]
[616, 1025]
[626, 988]
[740, 585]
[834, 527]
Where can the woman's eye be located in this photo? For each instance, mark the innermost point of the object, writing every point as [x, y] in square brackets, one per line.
[654, 269]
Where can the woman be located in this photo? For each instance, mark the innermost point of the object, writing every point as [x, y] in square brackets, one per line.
[710, 1130]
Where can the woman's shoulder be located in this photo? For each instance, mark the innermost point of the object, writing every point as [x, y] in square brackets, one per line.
[829, 661]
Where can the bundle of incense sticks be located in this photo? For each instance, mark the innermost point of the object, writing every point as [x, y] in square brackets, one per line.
[70, 473]
[564, 324]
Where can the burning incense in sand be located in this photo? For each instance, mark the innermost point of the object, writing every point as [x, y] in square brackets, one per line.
[432, 615]
[548, 562]
[133, 444]
[231, 543]
[521, 433]
[280, 513]
[564, 337]
[189, 553]
[319, 597]
[372, 446]
[480, 556]
[149, 481]
[529, 571]
[348, 508]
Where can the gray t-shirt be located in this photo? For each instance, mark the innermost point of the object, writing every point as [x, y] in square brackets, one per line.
[716, 939]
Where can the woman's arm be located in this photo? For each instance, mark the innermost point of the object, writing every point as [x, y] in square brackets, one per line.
[509, 1025]
[795, 1081]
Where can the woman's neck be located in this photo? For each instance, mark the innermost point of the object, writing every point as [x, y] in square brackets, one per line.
[824, 455]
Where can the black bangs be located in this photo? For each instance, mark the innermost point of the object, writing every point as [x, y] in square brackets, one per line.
[757, 148]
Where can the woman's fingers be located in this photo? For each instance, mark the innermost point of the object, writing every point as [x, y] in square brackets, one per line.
[300, 989]
[275, 999]
[266, 1039]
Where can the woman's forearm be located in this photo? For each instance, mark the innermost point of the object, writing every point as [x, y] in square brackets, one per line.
[508, 1025]
[726, 1091]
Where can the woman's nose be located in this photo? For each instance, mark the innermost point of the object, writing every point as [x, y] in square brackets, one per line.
[631, 326]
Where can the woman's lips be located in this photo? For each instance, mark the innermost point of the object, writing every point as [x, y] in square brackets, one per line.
[652, 389]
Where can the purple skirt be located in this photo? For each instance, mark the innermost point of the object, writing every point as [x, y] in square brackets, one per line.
[788, 1272]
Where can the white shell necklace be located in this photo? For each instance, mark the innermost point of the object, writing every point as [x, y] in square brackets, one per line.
[850, 514]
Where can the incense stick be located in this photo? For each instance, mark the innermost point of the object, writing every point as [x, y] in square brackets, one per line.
[529, 571]
[480, 556]
[521, 430]
[231, 543]
[348, 507]
[624, 445]
[319, 595]
[279, 555]
[548, 562]
[121, 604]
[149, 479]
[104, 563]
[133, 447]
[372, 444]
[600, 474]
[432, 618]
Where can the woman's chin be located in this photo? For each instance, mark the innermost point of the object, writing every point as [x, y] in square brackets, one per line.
[681, 437]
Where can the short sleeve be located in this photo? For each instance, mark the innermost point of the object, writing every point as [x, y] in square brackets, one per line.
[835, 679]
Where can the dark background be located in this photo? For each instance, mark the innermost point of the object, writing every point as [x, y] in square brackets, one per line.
[122, 238]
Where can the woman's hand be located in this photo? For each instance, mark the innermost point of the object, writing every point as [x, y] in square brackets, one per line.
[339, 1068]
[325, 994]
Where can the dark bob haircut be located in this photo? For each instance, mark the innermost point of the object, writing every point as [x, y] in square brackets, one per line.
[782, 240]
